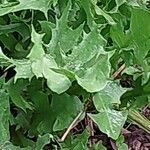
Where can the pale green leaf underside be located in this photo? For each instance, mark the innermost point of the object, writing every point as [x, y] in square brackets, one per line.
[92, 44]
[110, 121]
[58, 83]
[23, 69]
[42, 64]
[96, 77]
[110, 95]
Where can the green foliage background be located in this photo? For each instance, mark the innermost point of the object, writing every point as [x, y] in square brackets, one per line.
[58, 55]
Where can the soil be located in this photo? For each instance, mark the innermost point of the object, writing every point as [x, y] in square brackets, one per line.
[135, 137]
[138, 139]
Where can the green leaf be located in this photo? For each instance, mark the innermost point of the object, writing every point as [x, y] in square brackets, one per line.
[21, 28]
[63, 37]
[58, 83]
[86, 4]
[134, 3]
[9, 146]
[101, 12]
[46, 29]
[123, 147]
[15, 91]
[131, 70]
[66, 108]
[110, 94]
[120, 2]
[96, 77]
[79, 142]
[119, 37]
[42, 141]
[37, 51]
[109, 121]
[98, 146]
[22, 120]
[4, 116]
[23, 69]
[142, 42]
[91, 45]
[43, 117]
[42, 64]
[4, 60]
[120, 143]
[8, 41]
[23, 5]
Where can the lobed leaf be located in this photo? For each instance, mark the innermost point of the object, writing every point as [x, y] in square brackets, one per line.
[23, 5]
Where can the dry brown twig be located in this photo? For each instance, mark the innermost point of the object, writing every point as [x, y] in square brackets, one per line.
[74, 122]
[70, 127]
[91, 131]
[121, 68]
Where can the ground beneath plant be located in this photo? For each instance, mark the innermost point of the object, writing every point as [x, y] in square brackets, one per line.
[135, 137]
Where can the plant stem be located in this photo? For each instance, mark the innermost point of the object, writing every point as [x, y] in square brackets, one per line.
[139, 119]
[91, 131]
[71, 126]
[116, 73]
